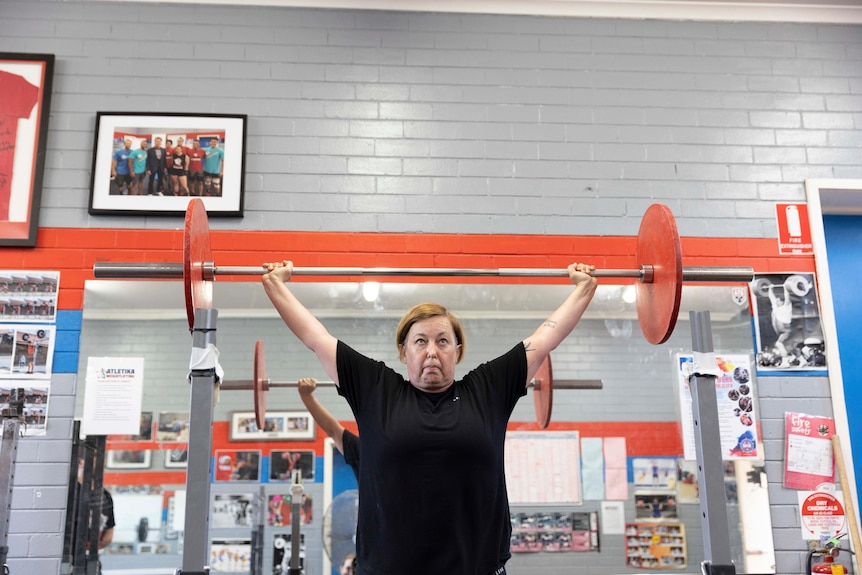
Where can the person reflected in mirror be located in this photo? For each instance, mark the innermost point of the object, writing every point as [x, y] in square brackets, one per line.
[107, 522]
[432, 485]
[344, 440]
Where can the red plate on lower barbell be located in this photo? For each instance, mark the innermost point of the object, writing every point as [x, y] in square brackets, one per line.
[196, 253]
[259, 385]
[658, 301]
[543, 393]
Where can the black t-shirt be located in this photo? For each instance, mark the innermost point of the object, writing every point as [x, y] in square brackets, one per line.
[432, 487]
[350, 444]
[107, 510]
[108, 520]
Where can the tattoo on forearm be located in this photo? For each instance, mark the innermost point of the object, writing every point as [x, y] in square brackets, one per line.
[527, 346]
[550, 323]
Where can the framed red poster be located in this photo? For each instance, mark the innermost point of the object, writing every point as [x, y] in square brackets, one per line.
[25, 98]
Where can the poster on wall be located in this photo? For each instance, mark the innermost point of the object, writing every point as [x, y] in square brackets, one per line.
[282, 552]
[28, 296]
[735, 390]
[145, 434]
[26, 351]
[554, 531]
[543, 468]
[657, 545]
[822, 514]
[112, 396]
[25, 101]
[232, 510]
[237, 465]
[654, 472]
[36, 398]
[808, 460]
[230, 555]
[788, 332]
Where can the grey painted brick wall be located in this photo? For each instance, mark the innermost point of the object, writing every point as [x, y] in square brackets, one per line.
[386, 121]
[414, 122]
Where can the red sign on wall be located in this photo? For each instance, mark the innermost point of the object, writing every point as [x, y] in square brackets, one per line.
[794, 235]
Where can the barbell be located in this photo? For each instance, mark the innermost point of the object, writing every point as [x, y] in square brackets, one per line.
[659, 270]
[543, 385]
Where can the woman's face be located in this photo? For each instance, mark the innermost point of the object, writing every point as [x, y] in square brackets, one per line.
[430, 353]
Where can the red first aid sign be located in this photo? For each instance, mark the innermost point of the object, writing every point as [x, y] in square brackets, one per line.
[822, 514]
[794, 234]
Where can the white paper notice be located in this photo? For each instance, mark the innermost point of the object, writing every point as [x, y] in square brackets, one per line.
[613, 518]
[112, 396]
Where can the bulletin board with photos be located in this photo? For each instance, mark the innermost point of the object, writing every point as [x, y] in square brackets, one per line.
[656, 545]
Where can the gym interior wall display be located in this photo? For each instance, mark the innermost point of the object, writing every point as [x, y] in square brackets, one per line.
[25, 101]
[543, 468]
[654, 472]
[178, 458]
[788, 332]
[236, 465]
[36, 398]
[232, 510]
[151, 164]
[26, 351]
[282, 545]
[655, 545]
[555, 531]
[28, 296]
[128, 459]
[282, 465]
[230, 555]
[173, 426]
[278, 426]
[146, 433]
[736, 398]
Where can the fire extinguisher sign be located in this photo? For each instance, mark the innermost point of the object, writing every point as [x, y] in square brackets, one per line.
[822, 514]
[794, 234]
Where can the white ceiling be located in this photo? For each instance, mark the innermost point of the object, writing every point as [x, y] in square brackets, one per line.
[825, 11]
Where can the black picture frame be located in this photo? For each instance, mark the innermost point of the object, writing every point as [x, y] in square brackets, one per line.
[25, 84]
[146, 185]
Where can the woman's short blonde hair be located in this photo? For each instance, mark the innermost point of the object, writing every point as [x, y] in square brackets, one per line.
[425, 311]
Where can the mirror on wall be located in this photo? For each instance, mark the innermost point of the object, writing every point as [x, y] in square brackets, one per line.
[640, 391]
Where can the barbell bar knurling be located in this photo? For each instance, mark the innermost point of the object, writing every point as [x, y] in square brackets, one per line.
[159, 271]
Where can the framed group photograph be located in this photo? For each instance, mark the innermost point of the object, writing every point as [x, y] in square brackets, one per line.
[25, 101]
[154, 163]
[278, 426]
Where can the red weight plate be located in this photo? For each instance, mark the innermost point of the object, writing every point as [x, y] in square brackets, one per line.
[259, 385]
[659, 247]
[543, 393]
[196, 252]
